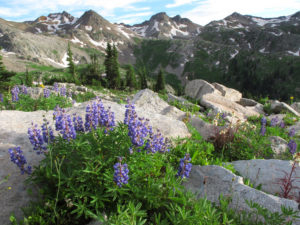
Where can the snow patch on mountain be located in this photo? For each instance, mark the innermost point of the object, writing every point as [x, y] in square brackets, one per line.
[76, 40]
[88, 28]
[234, 54]
[296, 53]
[262, 22]
[155, 26]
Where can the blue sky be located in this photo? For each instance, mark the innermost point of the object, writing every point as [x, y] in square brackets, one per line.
[137, 11]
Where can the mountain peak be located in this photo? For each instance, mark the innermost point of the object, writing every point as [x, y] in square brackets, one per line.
[160, 16]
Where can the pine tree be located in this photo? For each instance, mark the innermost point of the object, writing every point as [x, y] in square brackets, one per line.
[130, 78]
[108, 64]
[71, 65]
[2, 67]
[93, 70]
[143, 79]
[160, 83]
[116, 77]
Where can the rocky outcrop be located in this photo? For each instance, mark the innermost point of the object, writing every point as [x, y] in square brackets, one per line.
[219, 98]
[296, 106]
[211, 181]
[278, 145]
[267, 173]
[277, 107]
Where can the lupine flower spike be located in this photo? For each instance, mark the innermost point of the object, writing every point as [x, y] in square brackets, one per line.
[121, 173]
[292, 146]
[15, 94]
[184, 166]
[263, 126]
[17, 157]
[36, 139]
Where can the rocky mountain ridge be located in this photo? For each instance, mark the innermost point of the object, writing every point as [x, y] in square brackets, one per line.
[189, 50]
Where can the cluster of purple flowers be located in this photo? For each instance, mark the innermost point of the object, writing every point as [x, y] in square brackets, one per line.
[47, 93]
[63, 91]
[156, 143]
[121, 173]
[36, 139]
[15, 94]
[274, 121]
[78, 123]
[56, 87]
[139, 129]
[1, 97]
[64, 124]
[24, 90]
[97, 116]
[17, 157]
[292, 144]
[184, 166]
[48, 135]
[263, 126]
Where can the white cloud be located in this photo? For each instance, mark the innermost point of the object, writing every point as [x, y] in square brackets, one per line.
[179, 3]
[209, 10]
[104, 7]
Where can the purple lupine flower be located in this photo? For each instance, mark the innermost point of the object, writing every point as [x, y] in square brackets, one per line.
[96, 115]
[64, 124]
[36, 139]
[292, 132]
[121, 173]
[282, 125]
[68, 130]
[156, 143]
[70, 94]
[263, 130]
[56, 87]
[57, 116]
[274, 121]
[15, 94]
[24, 90]
[184, 166]
[78, 123]
[73, 102]
[46, 93]
[263, 121]
[17, 157]
[1, 97]
[223, 116]
[63, 91]
[48, 135]
[292, 146]
[130, 110]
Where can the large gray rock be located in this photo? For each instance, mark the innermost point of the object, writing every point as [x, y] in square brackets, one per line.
[278, 145]
[296, 106]
[197, 88]
[277, 107]
[183, 101]
[220, 99]
[13, 132]
[228, 93]
[206, 130]
[267, 173]
[211, 181]
[247, 102]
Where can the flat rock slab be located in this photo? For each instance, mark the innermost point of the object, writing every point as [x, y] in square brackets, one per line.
[267, 172]
[211, 181]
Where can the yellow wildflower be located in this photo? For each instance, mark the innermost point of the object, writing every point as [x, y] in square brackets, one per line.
[292, 97]
[42, 86]
[9, 188]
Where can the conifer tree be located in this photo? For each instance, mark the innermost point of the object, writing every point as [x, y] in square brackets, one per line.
[71, 65]
[2, 67]
[143, 79]
[130, 78]
[116, 77]
[108, 64]
[160, 82]
[93, 71]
